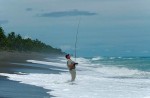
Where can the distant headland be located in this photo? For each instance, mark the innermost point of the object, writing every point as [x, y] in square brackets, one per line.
[15, 42]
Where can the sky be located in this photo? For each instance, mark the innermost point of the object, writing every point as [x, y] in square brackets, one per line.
[106, 27]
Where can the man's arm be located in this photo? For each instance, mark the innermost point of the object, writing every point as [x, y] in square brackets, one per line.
[75, 63]
[72, 65]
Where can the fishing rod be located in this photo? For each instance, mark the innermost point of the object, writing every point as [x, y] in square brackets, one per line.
[77, 39]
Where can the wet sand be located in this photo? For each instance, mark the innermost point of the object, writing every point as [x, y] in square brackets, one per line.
[13, 89]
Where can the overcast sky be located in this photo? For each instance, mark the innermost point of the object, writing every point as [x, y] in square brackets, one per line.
[107, 27]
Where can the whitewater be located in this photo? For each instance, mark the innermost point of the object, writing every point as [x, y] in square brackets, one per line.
[94, 79]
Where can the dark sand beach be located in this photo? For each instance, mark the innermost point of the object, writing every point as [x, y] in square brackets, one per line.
[13, 62]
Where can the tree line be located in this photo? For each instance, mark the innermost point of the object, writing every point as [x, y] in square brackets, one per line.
[15, 42]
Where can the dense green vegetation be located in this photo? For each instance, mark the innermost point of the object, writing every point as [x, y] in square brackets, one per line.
[13, 42]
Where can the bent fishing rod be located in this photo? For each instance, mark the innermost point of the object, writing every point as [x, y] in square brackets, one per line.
[77, 39]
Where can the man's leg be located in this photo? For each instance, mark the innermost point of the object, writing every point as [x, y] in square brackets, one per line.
[73, 74]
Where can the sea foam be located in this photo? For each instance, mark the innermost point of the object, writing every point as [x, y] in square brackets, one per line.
[91, 82]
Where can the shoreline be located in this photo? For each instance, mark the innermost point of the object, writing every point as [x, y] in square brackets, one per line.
[16, 56]
[11, 62]
[8, 59]
[14, 89]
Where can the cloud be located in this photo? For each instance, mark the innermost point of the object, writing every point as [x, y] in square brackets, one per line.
[3, 21]
[29, 9]
[67, 13]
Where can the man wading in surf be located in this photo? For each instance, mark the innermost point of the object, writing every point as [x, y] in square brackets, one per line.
[71, 66]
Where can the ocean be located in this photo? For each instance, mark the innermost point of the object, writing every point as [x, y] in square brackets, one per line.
[97, 77]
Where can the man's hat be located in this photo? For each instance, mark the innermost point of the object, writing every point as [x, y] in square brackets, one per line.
[67, 55]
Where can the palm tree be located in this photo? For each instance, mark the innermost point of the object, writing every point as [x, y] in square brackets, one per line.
[2, 38]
